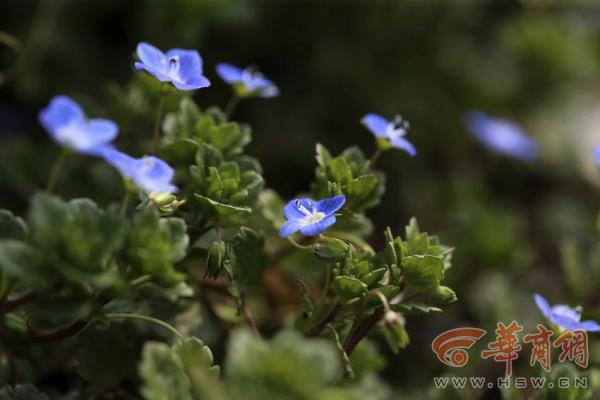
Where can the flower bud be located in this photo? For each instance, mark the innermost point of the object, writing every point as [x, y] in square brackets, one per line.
[216, 256]
[442, 294]
[328, 247]
[166, 202]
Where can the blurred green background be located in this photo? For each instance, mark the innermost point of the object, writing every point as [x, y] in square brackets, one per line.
[518, 228]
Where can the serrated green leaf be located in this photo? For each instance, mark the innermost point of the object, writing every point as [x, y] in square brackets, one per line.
[11, 226]
[163, 374]
[348, 287]
[423, 270]
[155, 245]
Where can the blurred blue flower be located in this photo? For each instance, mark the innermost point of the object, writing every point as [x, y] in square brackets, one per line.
[66, 123]
[565, 316]
[597, 154]
[501, 136]
[310, 217]
[183, 68]
[149, 173]
[393, 131]
[249, 81]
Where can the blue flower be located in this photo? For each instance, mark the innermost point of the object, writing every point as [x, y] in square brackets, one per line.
[310, 217]
[501, 136]
[183, 68]
[597, 154]
[565, 316]
[393, 131]
[149, 173]
[67, 125]
[248, 81]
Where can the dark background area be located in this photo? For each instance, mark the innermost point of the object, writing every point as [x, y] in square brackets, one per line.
[537, 62]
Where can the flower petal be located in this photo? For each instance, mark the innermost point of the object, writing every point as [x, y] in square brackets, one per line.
[501, 136]
[597, 154]
[291, 210]
[589, 326]
[318, 227]
[269, 91]
[157, 73]
[330, 205]
[403, 144]
[153, 175]
[543, 305]
[124, 163]
[229, 73]
[101, 131]
[290, 227]
[376, 124]
[194, 83]
[60, 112]
[152, 57]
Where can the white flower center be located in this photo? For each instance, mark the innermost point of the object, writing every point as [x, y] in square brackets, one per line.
[311, 219]
[397, 127]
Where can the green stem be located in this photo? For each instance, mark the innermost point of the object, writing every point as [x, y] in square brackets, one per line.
[140, 280]
[125, 202]
[298, 245]
[170, 328]
[157, 121]
[55, 170]
[231, 105]
[375, 157]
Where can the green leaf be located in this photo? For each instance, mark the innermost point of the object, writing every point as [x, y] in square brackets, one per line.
[339, 170]
[330, 248]
[11, 226]
[21, 392]
[215, 208]
[415, 308]
[155, 245]
[323, 155]
[396, 336]
[74, 240]
[286, 367]
[424, 270]
[197, 360]
[373, 277]
[348, 287]
[442, 294]
[15, 257]
[215, 259]
[105, 356]
[246, 253]
[163, 374]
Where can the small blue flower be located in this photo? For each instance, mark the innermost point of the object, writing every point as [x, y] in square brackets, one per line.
[597, 154]
[393, 131]
[66, 123]
[310, 217]
[149, 173]
[565, 316]
[501, 136]
[249, 80]
[183, 68]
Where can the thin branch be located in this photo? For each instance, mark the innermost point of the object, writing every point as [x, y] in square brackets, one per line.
[362, 329]
[11, 304]
[326, 320]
